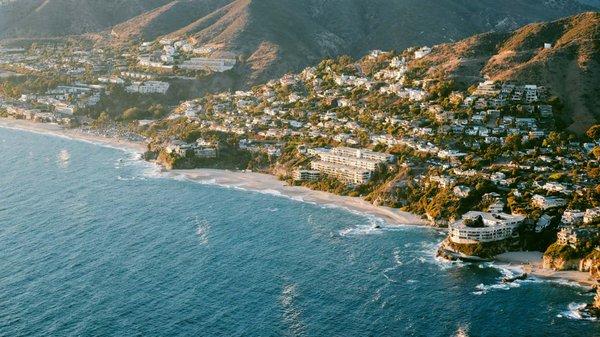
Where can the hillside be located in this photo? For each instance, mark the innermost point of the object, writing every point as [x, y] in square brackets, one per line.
[52, 18]
[570, 67]
[276, 36]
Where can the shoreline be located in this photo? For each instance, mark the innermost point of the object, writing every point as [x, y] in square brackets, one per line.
[528, 262]
[531, 263]
[258, 182]
[73, 134]
[269, 184]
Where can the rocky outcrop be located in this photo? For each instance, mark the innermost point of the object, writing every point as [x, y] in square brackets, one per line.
[482, 250]
[591, 264]
[559, 263]
[561, 257]
[594, 308]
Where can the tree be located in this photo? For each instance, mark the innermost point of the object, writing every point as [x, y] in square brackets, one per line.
[513, 142]
[594, 132]
[131, 113]
[553, 139]
[102, 120]
[596, 152]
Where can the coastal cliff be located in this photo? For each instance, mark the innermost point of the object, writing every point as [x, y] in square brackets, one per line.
[483, 250]
[558, 263]
[591, 264]
[594, 308]
[564, 257]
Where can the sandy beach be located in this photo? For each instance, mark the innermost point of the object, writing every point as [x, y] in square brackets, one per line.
[531, 263]
[77, 134]
[246, 180]
[270, 184]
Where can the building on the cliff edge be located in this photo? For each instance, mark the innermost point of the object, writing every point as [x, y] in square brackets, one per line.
[355, 166]
[306, 175]
[575, 237]
[492, 227]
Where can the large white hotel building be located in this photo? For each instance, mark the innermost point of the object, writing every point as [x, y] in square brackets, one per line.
[352, 165]
[496, 227]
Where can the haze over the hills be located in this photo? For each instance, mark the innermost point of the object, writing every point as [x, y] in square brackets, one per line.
[276, 36]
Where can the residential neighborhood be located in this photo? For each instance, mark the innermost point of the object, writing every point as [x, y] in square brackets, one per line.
[380, 128]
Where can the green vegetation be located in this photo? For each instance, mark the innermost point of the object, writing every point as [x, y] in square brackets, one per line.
[564, 252]
[485, 250]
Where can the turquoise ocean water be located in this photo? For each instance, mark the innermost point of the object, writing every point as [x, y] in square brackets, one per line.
[94, 242]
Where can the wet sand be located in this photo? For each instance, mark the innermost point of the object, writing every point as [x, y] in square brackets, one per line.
[270, 184]
[247, 180]
[76, 134]
[531, 263]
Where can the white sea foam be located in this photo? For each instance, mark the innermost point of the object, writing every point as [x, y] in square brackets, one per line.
[374, 226]
[360, 230]
[142, 169]
[427, 254]
[291, 313]
[120, 178]
[271, 192]
[63, 158]
[397, 256]
[507, 271]
[59, 134]
[576, 311]
[387, 277]
[462, 331]
[511, 271]
[202, 228]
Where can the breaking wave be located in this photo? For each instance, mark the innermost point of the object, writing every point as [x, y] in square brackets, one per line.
[292, 314]
[63, 158]
[576, 311]
[202, 228]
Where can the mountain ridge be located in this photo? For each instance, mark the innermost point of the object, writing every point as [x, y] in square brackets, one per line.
[272, 37]
[570, 66]
[277, 36]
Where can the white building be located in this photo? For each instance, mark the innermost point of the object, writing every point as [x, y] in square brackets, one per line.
[204, 63]
[306, 175]
[543, 202]
[64, 108]
[496, 207]
[487, 88]
[346, 173]
[205, 152]
[461, 191]
[577, 236]
[572, 217]
[554, 187]
[591, 215]
[149, 87]
[348, 164]
[496, 227]
[112, 79]
[422, 52]
[544, 221]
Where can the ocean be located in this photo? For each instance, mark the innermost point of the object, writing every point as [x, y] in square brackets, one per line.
[95, 242]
